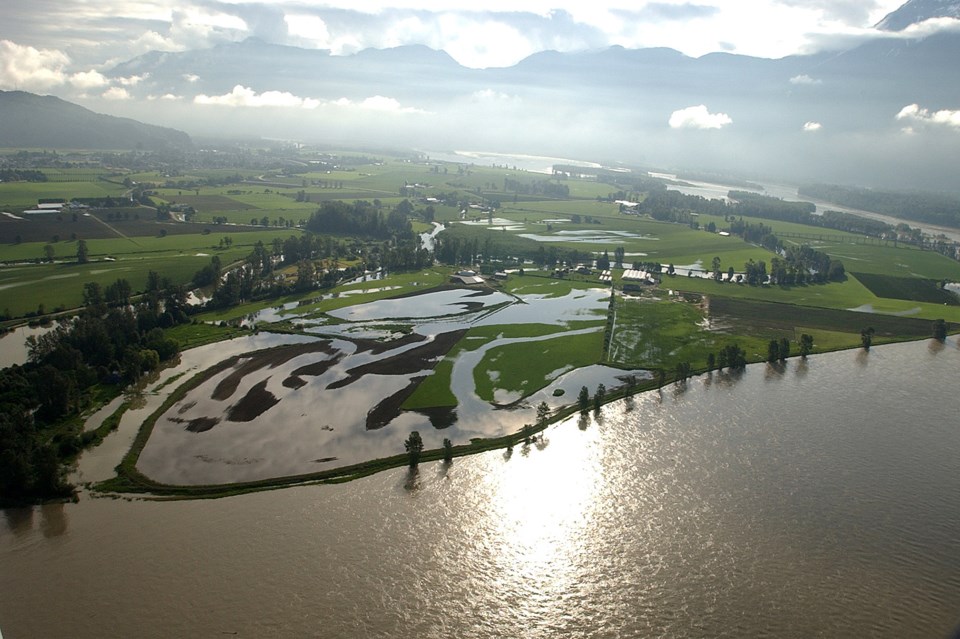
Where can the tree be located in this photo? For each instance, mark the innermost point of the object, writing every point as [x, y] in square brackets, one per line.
[447, 451]
[866, 338]
[711, 361]
[49, 252]
[603, 262]
[784, 348]
[773, 351]
[717, 274]
[83, 254]
[598, 397]
[543, 413]
[939, 330]
[806, 344]
[414, 448]
[584, 399]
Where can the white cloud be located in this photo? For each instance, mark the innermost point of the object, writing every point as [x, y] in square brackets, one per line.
[30, 69]
[377, 103]
[116, 93]
[698, 117]
[133, 80]
[169, 97]
[308, 27]
[804, 79]
[88, 80]
[915, 113]
[191, 78]
[489, 95]
[810, 127]
[242, 96]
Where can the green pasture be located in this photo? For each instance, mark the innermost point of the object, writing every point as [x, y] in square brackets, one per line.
[526, 367]
[849, 294]
[653, 333]
[903, 261]
[783, 227]
[25, 288]
[60, 284]
[762, 317]
[19, 196]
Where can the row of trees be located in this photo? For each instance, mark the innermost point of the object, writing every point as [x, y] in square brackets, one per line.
[108, 343]
[932, 208]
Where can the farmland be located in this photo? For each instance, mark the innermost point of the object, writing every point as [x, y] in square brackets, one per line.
[420, 346]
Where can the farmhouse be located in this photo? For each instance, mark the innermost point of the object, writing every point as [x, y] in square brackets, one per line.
[46, 207]
[467, 277]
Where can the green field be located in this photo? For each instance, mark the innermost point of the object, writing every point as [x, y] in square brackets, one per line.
[907, 288]
[60, 284]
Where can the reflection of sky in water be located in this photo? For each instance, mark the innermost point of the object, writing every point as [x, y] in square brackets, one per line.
[311, 424]
[590, 236]
[420, 306]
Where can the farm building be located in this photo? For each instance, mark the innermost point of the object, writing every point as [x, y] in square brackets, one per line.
[467, 277]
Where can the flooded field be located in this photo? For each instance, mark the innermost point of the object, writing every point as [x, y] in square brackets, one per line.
[311, 405]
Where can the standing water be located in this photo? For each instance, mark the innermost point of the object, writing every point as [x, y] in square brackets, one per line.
[817, 499]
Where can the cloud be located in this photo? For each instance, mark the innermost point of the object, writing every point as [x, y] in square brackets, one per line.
[116, 93]
[491, 96]
[191, 78]
[811, 127]
[377, 103]
[27, 68]
[685, 11]
[88, 80]
[698, 117]
[851, 12]
[242, 96]
[133, 80]
[915, 113]
[804, 79]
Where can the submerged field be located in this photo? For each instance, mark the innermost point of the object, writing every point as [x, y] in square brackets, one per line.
[348, 372]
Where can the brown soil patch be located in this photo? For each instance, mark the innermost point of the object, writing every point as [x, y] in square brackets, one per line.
[389, 407]
[198, 425]
[273, 357]
[255, 403]
[405, 363]
[294, 382]
[440, 416]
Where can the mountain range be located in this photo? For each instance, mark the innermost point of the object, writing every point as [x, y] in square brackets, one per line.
[879, 111]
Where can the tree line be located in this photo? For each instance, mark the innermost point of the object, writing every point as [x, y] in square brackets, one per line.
[932, 208]
[110, 343]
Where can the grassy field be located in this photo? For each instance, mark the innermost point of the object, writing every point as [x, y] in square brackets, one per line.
[19, 196]
[849, 294]
[526, 367]
[60, 284]
[907, 288]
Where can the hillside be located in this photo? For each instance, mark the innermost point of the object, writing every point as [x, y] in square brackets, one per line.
[36, 121]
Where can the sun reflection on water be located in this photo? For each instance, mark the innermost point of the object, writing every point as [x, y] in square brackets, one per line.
[542, 509]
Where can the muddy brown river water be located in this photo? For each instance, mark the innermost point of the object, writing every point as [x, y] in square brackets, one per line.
[818, 500]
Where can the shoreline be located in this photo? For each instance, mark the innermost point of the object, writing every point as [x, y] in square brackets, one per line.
[130, 482]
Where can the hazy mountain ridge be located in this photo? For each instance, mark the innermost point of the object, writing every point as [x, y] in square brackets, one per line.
[877, 114]
[916, 11]
[31, 120]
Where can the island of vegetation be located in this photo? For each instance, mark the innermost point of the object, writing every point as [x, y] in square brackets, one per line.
[362, 311]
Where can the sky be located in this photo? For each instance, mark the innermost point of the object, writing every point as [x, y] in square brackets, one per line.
[50, 43]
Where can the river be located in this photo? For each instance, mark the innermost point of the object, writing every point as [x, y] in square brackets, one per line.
[821, 499]
[789, 193]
